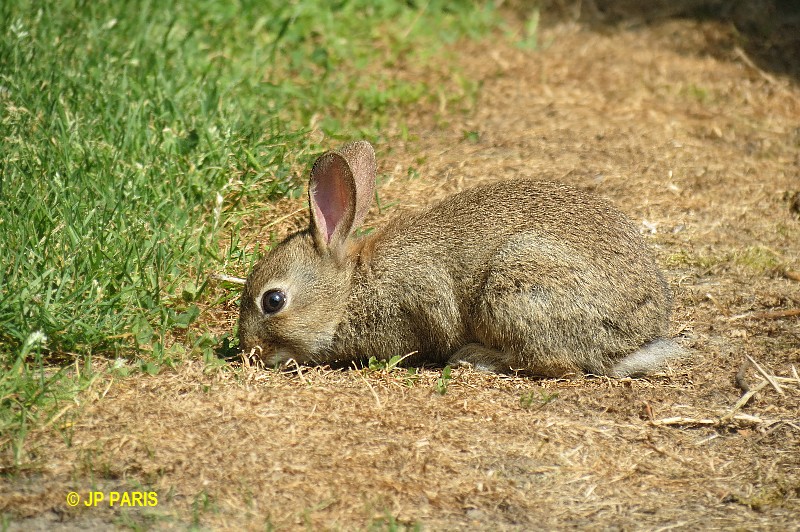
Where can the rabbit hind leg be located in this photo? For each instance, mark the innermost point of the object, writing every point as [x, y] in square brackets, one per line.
[486, 359]
[481, 358]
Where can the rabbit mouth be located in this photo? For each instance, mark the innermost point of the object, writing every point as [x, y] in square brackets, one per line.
[270, 356]
[276, 357]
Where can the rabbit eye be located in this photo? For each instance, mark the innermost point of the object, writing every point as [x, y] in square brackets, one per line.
[272, 301]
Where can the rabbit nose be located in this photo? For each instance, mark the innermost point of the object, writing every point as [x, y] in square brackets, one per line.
[252, 350]
[247, 344]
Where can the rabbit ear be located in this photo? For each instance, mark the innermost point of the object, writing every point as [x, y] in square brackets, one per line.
[361, 158]
[340, 192]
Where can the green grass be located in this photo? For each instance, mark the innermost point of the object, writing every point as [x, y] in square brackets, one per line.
[134, 138]
[444, 381]
[752, 260]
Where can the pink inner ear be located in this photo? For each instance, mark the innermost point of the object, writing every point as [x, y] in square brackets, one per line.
[330, 203]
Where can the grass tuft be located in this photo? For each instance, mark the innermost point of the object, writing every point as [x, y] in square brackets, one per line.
[134, 138]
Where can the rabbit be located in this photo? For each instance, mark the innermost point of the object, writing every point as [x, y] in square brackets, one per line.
[516, 276]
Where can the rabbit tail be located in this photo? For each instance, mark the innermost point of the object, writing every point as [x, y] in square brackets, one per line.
[651, 357]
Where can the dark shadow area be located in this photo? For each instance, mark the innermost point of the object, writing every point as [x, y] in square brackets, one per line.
[765, 33]
[228, 350]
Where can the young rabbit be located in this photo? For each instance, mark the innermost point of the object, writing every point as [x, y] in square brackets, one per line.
[517, 275]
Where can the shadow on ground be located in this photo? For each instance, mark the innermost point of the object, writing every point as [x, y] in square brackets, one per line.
[766, 31]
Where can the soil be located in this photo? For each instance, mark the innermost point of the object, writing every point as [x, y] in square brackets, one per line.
[700, 149]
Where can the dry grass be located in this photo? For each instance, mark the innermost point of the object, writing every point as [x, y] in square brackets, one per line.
[702, 151]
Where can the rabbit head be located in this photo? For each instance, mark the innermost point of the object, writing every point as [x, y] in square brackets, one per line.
[296, 296]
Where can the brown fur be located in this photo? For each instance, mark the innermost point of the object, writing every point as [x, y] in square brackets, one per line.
[517, 275]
